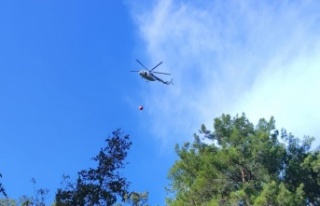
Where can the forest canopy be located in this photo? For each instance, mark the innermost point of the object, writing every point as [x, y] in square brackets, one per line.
[241, 164]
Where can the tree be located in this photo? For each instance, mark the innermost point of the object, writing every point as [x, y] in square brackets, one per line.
[243, 164]
[104, 184]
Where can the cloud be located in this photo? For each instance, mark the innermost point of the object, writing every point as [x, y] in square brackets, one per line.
[287, 91]
[261, 58]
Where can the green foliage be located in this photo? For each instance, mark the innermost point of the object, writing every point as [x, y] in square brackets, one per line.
[7, 202]
[274, 193]
[137, 199]
[101, 185]
[245, 165]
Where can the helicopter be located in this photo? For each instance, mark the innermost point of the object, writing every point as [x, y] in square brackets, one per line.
[149, 74]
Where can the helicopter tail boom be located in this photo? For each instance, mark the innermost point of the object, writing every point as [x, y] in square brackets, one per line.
[169, 82]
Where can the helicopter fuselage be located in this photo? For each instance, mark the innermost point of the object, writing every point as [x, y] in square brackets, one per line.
[147, 75]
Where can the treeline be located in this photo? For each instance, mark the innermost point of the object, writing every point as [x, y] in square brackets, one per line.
[237, 163]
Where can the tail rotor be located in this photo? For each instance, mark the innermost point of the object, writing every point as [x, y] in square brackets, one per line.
[169, 82]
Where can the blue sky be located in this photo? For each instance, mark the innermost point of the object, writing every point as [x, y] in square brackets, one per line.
[65, 85]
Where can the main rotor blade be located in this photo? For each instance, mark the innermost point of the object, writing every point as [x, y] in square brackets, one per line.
[155, 66]
[142, 64]
[134, 71]
[161, 73]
